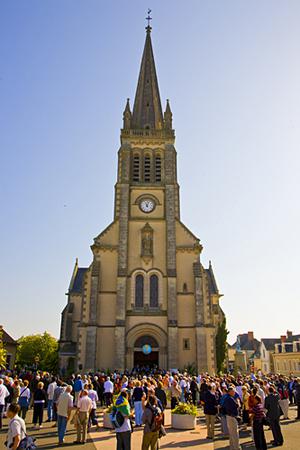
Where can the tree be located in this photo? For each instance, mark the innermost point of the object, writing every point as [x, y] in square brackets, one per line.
[39, 351]
[221, 345]
[2, 351]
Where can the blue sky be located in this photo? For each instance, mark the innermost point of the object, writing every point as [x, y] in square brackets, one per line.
[231, 70]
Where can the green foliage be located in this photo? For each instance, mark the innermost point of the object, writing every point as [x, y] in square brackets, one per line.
[191, 369]
[2, 352]
[221, 345]
[185, 408]
[38, 350]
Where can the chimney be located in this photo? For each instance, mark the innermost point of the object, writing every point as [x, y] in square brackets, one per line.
[289, 334]
[283, 339]
[250, 336]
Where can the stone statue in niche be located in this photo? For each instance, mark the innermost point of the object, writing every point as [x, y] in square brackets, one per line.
[147, 242]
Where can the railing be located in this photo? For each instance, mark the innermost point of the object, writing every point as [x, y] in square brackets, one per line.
[163, 134]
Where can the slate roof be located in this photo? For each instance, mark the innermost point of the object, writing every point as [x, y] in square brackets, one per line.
[7, 339]
[212, 285]
[269, 343]
[77, 285]
[293, 338]
[246, 344]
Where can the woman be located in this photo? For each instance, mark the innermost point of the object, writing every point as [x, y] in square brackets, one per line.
[39, 401]
[175, 394]
[16, 428]
[245, 406]
[137, 396]
[16, 392]
[258, 416]
[151, 434]
[94, 397]
[24, 399]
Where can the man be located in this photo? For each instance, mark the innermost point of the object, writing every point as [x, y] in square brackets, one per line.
[151, 433]
[108, 391]
[64, 408]
[84, 407]
[4, 393]
[284, 397]
[273, 414]
[210, 411]
[231, 408]
[78, 386]
[297, 396]
[50, 393]
[16, 428]
[123, 433]
[60, 388]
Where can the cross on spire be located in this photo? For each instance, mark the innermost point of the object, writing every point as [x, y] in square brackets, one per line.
[149, 18]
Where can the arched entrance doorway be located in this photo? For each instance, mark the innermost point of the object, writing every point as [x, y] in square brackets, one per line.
[146, 352]
[146, 334]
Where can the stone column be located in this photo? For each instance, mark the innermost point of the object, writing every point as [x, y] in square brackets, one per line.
[201, 337]
[123, 193]
[91, 332]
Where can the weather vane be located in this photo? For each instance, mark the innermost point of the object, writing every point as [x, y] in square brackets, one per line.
[148, 18]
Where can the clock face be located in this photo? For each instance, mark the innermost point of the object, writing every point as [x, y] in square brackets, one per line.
[147, 205]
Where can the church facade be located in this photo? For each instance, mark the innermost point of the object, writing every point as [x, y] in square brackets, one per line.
[146, 298]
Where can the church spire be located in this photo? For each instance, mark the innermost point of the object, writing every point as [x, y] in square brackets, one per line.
[147, 111]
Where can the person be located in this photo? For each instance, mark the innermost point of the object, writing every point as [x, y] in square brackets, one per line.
[245, 406]
[108, 391]
[123, 433]
[231, 407]
[78, 386]
[39, 401]
[64, 408]
[16, 427]
[284, 398]
[4, 394]
[175, 394]
[60, 388]
[24, 399]
[161, 395]
[50, 393]
[273, 414]
[92, 393]
[194, 388]
[258, 416]
[210, 411]
[150, 435]
[84, 407]
[137, 396]
[8, 385]
[16, 392]
[297, 396]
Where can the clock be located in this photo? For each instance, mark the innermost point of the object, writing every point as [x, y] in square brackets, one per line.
[147, 205]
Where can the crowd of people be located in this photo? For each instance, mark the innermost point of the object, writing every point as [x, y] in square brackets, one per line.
[139, 399]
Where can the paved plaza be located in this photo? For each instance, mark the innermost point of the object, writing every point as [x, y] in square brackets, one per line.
[105, 439]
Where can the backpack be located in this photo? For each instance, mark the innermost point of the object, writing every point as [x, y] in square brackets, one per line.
[157, 419]
[117, 419]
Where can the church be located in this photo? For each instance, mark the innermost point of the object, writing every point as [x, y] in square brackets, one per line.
[146, 299]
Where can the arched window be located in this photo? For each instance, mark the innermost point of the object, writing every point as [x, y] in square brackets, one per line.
[147, 169]
[139, 291]
[154, 291]
[157, 168]
[136, 168]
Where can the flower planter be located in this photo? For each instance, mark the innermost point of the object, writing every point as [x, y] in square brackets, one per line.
[183, 421]
[106, 421]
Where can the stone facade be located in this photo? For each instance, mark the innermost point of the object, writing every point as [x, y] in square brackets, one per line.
[146, 283]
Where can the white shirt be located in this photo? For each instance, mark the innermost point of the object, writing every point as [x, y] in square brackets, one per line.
[25, 392]
[125, 427]
[108, 387]
[51, 388]
[94, 397]
[16, 427]
[64, 404]
[3, 394]
[84, 404]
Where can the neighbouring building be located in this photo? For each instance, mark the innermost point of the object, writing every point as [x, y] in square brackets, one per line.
[287, 355]
[10, 346]
[146, 298]
[267, 349]
[245, 353]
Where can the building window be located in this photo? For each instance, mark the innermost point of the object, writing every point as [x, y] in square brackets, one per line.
[139, 291]
[136, 168]
[154, 291]
[147, 169]
[157, 168]
[184, 288]
[186, 344]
